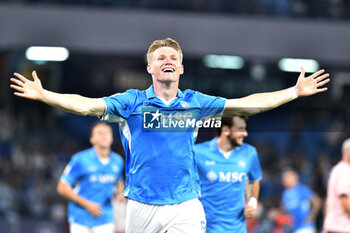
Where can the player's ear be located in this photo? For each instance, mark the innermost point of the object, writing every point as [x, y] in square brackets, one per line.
[182, 70]
[150, 69]
[225, 130]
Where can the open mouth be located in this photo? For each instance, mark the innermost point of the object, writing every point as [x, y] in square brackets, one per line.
[168, 70]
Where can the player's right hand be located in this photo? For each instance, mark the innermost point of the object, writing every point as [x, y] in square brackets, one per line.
[27, 88]
[249, 212]
[93, 208]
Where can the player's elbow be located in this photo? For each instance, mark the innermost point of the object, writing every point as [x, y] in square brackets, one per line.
[84, 113]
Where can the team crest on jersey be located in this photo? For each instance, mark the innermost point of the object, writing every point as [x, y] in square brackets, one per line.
[115, 168]
[185, 105]
[212, 176]
[242, 163]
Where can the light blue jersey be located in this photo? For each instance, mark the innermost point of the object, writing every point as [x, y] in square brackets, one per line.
[95, 182]
[160, 167]
[223, 183]
[296, 202]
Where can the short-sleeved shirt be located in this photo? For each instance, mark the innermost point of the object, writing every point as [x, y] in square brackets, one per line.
[95, 182]
[297, 203]
[160, 167]
[337, 219]
[223, 182]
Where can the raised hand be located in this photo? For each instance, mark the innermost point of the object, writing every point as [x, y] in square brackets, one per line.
[26, 88]
[312, 84]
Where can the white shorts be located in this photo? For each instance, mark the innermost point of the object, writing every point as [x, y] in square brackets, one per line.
[184, 217]
[78, 228]
[306, 230]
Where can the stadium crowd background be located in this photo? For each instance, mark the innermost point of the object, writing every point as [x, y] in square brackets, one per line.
[334, 9]
[36, 141]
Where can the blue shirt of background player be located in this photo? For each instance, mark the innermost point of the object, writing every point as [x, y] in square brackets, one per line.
[296, 202]
[223, 183]
[160, 166]
[94, 181]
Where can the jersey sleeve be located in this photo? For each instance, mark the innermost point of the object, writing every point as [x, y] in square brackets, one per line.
[255, 169]
[120, 105]
[210, 105]
[72, 172]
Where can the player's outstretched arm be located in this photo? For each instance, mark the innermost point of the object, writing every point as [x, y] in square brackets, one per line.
[67, 102]
[261, 102]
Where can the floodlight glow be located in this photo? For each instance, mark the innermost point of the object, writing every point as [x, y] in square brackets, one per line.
[294, 64]
[42, 53]
[223, 62]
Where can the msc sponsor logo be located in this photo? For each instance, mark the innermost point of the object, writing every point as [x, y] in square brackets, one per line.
[228, 177]
[102, 178]
[232, 177]
[212, 176]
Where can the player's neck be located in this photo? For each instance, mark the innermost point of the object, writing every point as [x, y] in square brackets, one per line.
[102, 152]
[225, 145]
[166, 90]
[346, 161]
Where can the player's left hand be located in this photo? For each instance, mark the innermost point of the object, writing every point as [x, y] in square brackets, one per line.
[312, 84]
[249, 212]
[121, 197]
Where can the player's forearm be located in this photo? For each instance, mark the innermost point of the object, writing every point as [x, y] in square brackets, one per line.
[74, 103]
[120, 187]
[259, 102]
[344, 200]
[255, 189]
[67, 192]
[316, 203]
[347, 209]
[253, 194]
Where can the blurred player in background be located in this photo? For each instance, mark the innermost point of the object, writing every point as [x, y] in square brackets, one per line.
[161, 174]
[337, 211]
[225, 165]
[90, 181]
[300, 202]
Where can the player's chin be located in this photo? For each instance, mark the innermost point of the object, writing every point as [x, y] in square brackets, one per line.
[170, 75]
[239, 142]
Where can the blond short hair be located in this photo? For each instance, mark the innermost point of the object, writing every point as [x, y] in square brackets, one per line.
[168, 42]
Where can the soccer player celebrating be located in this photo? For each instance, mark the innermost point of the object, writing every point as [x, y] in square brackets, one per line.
[161, 174]
[89, 182]
[337, 211]
[225, 165]
[300, 202]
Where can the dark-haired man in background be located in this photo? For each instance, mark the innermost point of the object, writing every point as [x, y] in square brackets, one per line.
[225, 165]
